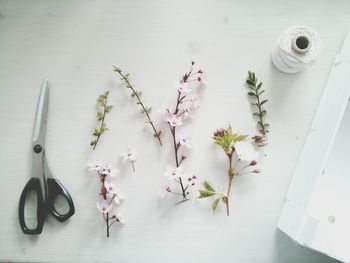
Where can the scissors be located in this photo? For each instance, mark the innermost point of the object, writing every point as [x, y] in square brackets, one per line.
[40, 171]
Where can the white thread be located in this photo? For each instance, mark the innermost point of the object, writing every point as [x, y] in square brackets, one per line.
[296, 49]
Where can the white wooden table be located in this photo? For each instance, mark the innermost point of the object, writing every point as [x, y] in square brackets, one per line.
[75, 44]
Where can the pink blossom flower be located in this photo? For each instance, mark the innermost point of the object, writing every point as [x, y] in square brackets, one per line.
[104, 206]
[260, 140]
[183, 87]
[174, 120]
[108, 170]
[187, 112]
[174, 173]
[112, 192]
[94, 166]
[195, 102]
[185, 140]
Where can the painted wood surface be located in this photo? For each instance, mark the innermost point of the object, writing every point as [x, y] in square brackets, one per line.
[75, 43]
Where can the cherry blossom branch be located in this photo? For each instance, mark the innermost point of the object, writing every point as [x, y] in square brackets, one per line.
[183, 109]
[108, 192]
[144, 109]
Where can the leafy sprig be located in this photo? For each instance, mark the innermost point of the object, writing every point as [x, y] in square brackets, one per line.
[209, 190]
[144, 109]
[226, 139]
[235, 149]
[104, 108]
[255, 93]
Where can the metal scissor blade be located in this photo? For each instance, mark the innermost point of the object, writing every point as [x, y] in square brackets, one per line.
[41, 114]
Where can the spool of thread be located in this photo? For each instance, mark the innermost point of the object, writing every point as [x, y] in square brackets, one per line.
[296, 49]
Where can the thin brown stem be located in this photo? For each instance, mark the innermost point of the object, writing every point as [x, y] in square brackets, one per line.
[107, 225]
[144, 108]
[230, 178]
[173, 133]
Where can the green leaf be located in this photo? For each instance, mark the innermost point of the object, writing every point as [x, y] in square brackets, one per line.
[156, 135]
[224, 199]
[251, 94]
[106, 93]
[250, 83]
[209, 186]
[240, 137]
[117, 70]
[205, 193]
[101, 102]
[259, 86]
[263, 112]
[99, 115]
[215, 204]
[92, 143]
[256, 114]
[261, 92]
[96, 132]
[263, 102]
[109, 108]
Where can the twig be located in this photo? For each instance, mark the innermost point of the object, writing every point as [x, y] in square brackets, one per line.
[144, 109]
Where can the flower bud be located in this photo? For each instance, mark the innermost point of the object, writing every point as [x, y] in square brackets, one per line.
[252, 163]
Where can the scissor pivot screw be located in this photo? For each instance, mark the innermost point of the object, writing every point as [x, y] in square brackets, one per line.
[37, 148]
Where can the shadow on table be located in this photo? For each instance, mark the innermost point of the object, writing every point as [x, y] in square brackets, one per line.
[288, 251]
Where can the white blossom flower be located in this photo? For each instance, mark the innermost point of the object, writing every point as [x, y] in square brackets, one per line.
[94, 166]
[202, 79]
[174, 120]
[245, 151]
[104, 206]
[120, 217]
[183, 87]
[174, 173]
[130, 155]
[165, 191]
[107, 169]
[185, 140]
[113, 193]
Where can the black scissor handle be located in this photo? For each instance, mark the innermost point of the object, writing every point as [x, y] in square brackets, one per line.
[32, 185]
[55, 188]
